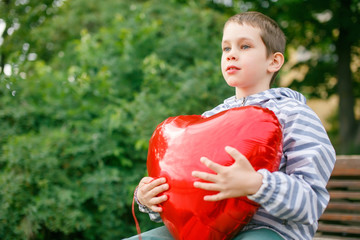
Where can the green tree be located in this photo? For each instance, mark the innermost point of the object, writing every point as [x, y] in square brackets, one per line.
[75, 134]
[17, 18]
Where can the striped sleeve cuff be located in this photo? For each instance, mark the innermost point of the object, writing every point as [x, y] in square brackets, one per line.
[262, 195]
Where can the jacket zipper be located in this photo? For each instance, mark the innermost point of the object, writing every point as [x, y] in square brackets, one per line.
[243, 101]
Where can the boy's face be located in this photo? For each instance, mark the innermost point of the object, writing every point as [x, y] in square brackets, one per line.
[244, 63]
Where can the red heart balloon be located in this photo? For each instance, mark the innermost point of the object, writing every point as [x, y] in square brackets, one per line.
[175, 149]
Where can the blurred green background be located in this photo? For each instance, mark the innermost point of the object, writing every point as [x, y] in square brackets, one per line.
[84, 83]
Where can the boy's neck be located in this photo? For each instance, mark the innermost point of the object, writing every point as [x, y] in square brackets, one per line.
[245, 92]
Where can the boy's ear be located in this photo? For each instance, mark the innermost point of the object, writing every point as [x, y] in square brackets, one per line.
[276, 62]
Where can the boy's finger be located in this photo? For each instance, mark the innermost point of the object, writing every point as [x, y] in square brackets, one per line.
[206, 186]
[216, 197]
[204, 176]
[159, 181]
[158, 189]
[145, 180]
[155, 208]
[155, 183]
[158, 200]
[235, 154]
[210, 164]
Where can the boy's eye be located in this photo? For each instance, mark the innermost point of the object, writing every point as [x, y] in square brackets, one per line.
[226, 49]
[245, 46]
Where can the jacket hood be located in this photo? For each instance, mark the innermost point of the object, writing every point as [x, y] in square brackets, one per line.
[262, 97]
[259, 99]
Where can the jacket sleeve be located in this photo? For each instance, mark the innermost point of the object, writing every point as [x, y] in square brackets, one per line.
[297, 192]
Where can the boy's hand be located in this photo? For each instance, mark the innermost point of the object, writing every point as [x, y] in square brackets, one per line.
[239, 179]
[148, 190]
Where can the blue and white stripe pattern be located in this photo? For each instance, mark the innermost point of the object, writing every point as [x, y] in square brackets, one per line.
[293, 198]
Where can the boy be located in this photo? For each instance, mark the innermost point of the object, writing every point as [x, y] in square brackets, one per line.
[292, 198]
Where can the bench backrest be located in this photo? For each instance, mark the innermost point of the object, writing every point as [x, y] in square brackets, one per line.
[347, 165]
[342, 216]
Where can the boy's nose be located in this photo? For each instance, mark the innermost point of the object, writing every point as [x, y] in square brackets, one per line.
[231, 58]
[232, 55]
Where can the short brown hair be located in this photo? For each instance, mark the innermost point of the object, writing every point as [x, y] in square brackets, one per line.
[271, 34]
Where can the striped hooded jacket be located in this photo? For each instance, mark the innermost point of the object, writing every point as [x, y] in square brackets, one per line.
[293, 198]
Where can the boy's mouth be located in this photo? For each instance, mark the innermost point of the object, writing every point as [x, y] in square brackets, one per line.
[232, 68]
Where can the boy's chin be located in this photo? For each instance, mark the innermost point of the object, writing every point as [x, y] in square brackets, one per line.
[232, 83]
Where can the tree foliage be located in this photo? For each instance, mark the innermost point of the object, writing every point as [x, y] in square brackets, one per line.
[76, 120]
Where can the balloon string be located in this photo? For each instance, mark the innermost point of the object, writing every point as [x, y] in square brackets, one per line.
[136, 221]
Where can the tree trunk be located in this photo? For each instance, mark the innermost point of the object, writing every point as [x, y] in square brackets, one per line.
[357, 140]
[346, 105]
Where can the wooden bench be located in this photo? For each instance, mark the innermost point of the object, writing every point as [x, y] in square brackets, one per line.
[341, 219]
